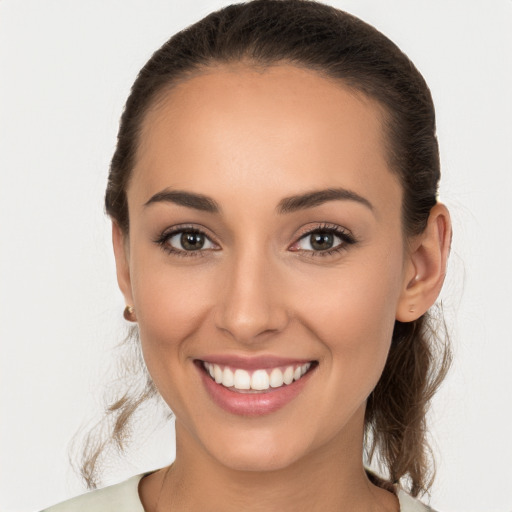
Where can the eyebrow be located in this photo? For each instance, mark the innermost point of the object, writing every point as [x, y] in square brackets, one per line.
[183, 198]
[287, 205]
[318, 197]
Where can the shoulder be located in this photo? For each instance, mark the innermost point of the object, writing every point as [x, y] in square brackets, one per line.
[123, 497]
[410, 504]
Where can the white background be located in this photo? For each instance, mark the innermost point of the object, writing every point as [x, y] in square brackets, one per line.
[65, 70]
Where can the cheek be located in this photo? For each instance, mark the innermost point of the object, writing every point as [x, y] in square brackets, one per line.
[171, 308]
[354, 316]
[171, 304]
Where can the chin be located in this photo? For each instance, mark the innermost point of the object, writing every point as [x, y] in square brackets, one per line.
[262, 461]
[257, 453]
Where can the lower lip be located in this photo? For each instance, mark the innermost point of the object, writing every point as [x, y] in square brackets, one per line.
[252, 404]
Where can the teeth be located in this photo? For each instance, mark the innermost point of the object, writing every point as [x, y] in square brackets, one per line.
[288, 375]
[242, 379]
[217, 373]
[276, 378]
[228, 378]
[260, 380]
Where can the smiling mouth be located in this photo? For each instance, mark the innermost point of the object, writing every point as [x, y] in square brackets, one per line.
[257, 381]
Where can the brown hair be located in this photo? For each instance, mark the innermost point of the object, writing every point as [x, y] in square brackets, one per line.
[340, 47]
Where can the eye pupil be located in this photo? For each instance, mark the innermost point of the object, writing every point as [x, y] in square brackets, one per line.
[322, 241]
[192, 241]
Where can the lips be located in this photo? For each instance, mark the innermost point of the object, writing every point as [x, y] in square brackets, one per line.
[254, 386]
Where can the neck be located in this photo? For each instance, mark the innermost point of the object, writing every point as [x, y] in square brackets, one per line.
[330, 478]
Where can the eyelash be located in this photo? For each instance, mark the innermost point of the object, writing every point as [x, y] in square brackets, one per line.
[167, 235]
[344, 235]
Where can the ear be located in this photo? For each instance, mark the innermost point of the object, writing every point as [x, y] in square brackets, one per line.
[122, 257]
[426, 266]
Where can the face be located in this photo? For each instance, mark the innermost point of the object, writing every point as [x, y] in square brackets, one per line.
[265, 241]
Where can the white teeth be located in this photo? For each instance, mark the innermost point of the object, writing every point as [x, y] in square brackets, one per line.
[260, 380]
[228, 379]
[242, 379]
[288, 375]
[276, 378]
[217, 373]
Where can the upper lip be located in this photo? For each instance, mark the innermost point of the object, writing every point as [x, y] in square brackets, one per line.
[254, 362]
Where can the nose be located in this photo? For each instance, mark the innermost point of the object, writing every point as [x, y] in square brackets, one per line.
[251, 304]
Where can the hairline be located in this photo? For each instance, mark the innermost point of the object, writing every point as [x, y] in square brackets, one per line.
[350, 85]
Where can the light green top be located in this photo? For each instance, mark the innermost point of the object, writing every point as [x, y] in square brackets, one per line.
[124, 497]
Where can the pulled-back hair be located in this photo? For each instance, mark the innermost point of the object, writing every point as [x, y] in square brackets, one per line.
[343, 48]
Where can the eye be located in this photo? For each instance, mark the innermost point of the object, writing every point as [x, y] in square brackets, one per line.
[323, 241]
[319, 241]
[185, 242]
[190, 241]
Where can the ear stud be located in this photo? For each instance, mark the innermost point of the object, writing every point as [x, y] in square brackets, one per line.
[129, 313]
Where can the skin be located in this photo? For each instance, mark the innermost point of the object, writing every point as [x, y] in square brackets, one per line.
[247, 138]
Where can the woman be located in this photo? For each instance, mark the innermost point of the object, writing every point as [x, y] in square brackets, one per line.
[279, 243]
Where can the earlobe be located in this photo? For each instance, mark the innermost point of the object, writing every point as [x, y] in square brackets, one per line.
[121, 254]
[426, 266]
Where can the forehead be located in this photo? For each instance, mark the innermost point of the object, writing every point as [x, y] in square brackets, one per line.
[247, 128]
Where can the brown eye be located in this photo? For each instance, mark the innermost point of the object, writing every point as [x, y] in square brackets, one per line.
[321, 241]
[188, 241]
[324, 241]
[192, 241]
[318, 241]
